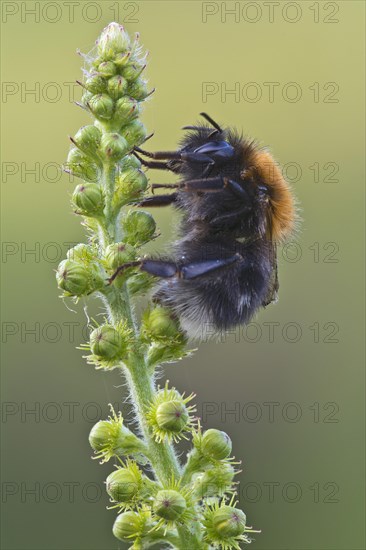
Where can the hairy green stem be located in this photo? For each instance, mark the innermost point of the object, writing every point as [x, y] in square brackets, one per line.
[109, 173]
[141, 384]
[142, 389]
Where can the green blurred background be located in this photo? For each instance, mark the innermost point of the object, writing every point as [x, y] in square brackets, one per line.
[298, 396]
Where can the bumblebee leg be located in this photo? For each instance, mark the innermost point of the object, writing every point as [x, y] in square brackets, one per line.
[200, 269]
[208, 185]
[159, 268]
[199, 158]
[158, 200]
[158, 165]
[153, 164]
[159, 155]
[165, 186]
[122, 268]
[167, 270]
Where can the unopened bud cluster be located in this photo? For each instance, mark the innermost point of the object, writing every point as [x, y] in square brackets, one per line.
[151, 511]
[113, 91]
[196, 503]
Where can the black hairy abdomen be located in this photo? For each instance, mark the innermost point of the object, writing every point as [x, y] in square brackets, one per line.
[226, 297]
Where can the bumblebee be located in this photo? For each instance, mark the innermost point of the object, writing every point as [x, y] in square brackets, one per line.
[236, 208]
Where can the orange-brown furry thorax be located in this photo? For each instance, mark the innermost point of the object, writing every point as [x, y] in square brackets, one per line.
[282, 213]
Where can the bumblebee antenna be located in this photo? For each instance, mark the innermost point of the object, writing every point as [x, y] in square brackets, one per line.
[211, 121]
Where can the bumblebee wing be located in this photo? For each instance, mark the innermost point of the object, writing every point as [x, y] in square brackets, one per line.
[273, 286]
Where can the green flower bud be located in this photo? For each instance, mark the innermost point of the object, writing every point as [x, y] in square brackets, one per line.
[134, 132]
[117, 86]
[121, 59]
[134, 527]
[159, 324]
[102, 106]
[73, 278]
[95, 84]
[77, 278]
[216, 481]
[172, 416]
[131, 183]
[110, 437]
[81, 252]
[126, 110]
[117, 254]
[216, 445]
[112, 41]
[228, 522]
[88, 199]
[169, 505]
[127, 526]
[169, 416]
[113, 146]
[132, 71]
[107, 69]
[138, 227]
[130, 162]
[138, 89]
[107, 343]
[162, 332]
[101, 434]
[80, 165]
[86, 97]
[225, 525]
[88, 139]
[124, 484]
